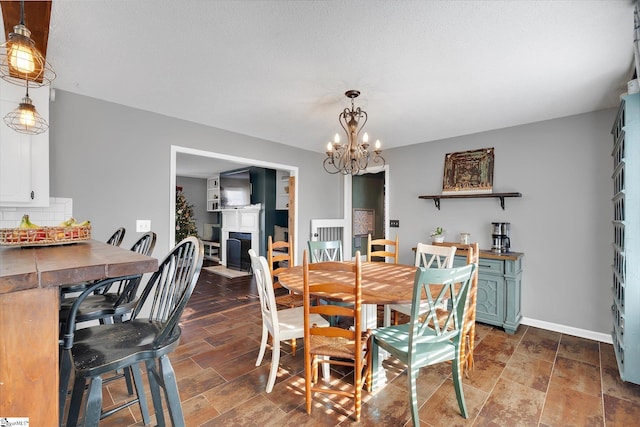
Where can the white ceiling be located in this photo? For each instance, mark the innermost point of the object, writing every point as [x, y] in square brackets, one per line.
[278, 70]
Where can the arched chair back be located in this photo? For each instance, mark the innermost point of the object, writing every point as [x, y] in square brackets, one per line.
[117, 237]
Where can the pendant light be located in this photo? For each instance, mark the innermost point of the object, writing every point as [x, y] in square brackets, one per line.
[26, 119]
[20, 60]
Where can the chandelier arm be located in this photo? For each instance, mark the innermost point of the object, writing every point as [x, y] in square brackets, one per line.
[329, 161]
[364, 114]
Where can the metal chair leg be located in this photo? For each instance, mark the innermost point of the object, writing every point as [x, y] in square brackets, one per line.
[152, 376]
[76, 401]
[93, 407]
[171, 391]
[142, 400]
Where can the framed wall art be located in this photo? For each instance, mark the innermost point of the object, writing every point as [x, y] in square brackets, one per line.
[468, 172]
[363, 222]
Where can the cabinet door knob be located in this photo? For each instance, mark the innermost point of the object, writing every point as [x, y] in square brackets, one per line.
[33, 195]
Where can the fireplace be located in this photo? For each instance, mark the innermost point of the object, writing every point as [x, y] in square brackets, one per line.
[238, 245]
[241, 231]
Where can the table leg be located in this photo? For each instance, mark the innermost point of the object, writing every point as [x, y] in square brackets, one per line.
[370, 321]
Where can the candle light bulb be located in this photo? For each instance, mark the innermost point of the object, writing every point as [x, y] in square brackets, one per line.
[336, 139]
[378, 144]
[329, 147]
[365, 138]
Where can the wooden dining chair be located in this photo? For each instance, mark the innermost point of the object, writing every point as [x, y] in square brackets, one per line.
[385, 253]
[467, 343]
[428, 256]
[432, 337]
[279, 257]
[92, 352]
[334, 345]
[286, 324]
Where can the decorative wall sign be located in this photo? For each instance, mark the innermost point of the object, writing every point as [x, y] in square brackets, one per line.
[363, 222]
[468, 172]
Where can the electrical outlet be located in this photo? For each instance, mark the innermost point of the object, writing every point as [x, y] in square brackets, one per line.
[394, 223]
[143, 225]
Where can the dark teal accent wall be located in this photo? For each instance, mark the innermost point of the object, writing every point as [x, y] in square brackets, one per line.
[368, 193]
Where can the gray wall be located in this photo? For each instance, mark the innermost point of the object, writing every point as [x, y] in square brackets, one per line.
[114, 162]
[562, 223]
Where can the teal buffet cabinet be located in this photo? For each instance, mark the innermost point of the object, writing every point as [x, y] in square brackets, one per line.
[499, 288]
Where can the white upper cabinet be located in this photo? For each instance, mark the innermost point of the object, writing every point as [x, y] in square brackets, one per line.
[24, 159]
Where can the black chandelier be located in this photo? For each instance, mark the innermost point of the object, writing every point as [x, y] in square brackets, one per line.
[352, 157]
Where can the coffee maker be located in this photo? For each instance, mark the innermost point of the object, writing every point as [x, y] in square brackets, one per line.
[501, 241]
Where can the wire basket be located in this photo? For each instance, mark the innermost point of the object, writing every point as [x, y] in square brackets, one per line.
[43, 236]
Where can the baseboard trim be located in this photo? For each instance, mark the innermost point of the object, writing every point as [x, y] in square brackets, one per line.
[582, 333]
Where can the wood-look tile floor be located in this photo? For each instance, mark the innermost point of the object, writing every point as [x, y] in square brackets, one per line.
[532, 378]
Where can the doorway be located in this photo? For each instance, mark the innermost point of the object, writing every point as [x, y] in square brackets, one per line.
[368, 211]
[215, 162]
[381, 176]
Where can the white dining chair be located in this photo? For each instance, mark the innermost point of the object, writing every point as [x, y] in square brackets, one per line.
[428, 256]
[282, 325]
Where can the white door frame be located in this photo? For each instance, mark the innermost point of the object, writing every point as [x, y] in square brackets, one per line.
[348, 206]
[175, 149]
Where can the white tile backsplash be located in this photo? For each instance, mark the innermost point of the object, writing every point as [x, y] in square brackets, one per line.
[59, 209]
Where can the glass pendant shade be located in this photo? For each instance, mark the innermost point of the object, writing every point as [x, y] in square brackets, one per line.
[26, 119]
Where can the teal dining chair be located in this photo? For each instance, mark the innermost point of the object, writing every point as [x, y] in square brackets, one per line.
[433, 336]
[325, 250]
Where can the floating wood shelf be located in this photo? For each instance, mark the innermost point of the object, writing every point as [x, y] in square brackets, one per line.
[501, 196]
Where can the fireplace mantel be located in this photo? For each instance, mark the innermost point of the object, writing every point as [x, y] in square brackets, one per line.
[241, 220]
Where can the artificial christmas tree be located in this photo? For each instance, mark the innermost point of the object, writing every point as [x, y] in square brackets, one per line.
[185, 220]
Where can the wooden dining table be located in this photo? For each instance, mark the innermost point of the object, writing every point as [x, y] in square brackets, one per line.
[382, 283]
[29, 303]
